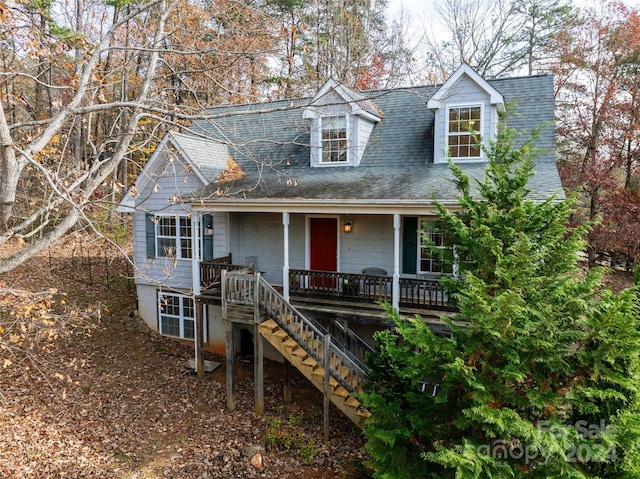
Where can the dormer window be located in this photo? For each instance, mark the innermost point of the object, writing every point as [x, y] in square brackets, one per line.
[463, 132]
[341, 121]
[466, 109]
[334, 139]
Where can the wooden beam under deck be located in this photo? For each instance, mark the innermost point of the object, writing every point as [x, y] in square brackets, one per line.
[361, 313]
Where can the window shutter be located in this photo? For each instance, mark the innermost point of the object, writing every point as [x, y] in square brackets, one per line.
[410, 245]
[151, 236]
[207, 239]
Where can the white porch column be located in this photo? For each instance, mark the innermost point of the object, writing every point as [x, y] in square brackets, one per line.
[285, 267]
[395, 298]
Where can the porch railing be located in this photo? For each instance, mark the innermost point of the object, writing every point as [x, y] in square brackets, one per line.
[211, 271]
[346, 286]
[417, 293]
[425, 294]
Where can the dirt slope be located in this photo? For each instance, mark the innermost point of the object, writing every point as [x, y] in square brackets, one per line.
[121, 404]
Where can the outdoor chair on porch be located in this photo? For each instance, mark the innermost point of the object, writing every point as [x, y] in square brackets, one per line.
[375, 288]
[431, 292]
[252, 260]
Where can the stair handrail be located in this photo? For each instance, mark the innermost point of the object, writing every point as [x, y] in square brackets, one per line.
[308, 328]
[352, 336]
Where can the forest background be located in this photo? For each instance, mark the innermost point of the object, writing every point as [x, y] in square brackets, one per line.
[88, 89]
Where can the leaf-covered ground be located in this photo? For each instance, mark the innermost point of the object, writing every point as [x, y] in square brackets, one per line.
[117, 401]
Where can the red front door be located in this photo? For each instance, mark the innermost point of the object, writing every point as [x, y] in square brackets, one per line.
[323, 249]
[324, 244]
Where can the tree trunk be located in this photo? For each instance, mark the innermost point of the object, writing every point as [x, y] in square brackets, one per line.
[42, 103]
[78, 150]
[593, 211]
[10, 170]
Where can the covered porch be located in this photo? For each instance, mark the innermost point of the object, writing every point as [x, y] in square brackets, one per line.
[348, 260]
[342, 291]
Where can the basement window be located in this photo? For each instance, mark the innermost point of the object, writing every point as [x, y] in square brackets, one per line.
[177, 315]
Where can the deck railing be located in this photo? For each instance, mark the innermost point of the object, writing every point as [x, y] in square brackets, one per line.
[342, 364]
[417, 293]
[211, 271]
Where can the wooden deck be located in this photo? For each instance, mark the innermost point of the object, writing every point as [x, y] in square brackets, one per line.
[356, 297]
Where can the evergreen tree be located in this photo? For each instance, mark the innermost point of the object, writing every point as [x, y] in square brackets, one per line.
[539, 377]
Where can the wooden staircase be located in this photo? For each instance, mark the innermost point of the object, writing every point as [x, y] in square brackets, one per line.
[334, 363]
[314, 371]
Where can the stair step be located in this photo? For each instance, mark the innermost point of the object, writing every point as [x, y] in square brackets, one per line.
[300, 352]
[362, 412]
[281, 334]
[310, 362]
[320, 373]
[269, 324]
[353, 402]
[344, 372]
[290, 343]
[340, 392]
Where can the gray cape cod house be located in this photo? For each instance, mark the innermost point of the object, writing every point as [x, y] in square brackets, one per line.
[291, 221]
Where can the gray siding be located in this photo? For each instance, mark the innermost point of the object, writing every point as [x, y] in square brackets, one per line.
[261, 235]
[167, 180]
[361, 137]
[221, 245]
[297, 228]
[369, 244]
[158, 271]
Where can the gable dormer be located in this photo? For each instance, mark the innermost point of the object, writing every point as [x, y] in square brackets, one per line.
[341, 122]
[466, 107]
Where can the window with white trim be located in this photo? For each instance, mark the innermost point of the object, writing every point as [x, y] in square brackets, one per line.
[435, 254]
[173, 237]
[177, 315]
[334, 139]
[463, 132]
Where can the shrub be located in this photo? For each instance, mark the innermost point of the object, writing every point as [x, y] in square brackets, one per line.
[540, 375]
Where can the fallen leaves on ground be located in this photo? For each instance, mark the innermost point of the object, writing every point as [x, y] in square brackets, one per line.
[118, 402]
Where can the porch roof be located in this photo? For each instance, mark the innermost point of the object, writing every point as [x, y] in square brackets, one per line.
[377, 186]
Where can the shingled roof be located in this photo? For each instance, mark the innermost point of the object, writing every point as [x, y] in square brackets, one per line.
[207, 157]
[271, 143]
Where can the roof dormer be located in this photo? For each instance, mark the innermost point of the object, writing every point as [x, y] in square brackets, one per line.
[466, 109]
[341, 122]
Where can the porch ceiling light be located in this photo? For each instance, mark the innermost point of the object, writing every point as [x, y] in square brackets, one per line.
[348, 227]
